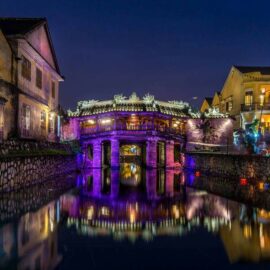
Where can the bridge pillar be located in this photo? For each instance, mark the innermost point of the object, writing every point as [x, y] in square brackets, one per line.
[169, 154]
[115, 153]
[151, 153]
[169, 183]
[97, 183]
[97, 154]
[151, 184]
[115, 182]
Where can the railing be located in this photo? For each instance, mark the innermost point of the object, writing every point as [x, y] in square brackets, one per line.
[99, 129]
[255, 107]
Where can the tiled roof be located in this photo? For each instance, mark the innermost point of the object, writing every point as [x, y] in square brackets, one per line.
[137, 107]
[19, 26]
[209, 100]
[247, 69]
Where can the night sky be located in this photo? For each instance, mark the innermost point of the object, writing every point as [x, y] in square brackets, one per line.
[172, 49]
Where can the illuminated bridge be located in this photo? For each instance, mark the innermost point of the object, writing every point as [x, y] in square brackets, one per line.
[148, 131]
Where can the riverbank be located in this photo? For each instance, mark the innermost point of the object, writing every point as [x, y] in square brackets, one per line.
[231, 166]
[26, 163]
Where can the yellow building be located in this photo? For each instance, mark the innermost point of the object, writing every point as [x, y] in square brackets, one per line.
[207, 103]
[246, 95]
[29, 80]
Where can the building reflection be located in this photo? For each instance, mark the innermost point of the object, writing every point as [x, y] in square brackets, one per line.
[31, 242]
[170, 208]
[166, 207]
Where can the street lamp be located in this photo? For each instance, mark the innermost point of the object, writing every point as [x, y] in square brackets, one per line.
[262, 95]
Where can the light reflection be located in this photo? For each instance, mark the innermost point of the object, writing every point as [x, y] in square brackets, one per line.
[163, 209]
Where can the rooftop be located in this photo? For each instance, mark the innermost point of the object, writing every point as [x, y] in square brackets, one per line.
[247, 69]
[134, 103]
[19, 26]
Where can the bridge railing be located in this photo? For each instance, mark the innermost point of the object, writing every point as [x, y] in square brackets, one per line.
[127, 127]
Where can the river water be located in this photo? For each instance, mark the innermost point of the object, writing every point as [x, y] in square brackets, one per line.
[136, 219]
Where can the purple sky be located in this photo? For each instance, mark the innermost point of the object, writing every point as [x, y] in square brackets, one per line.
[172, 49]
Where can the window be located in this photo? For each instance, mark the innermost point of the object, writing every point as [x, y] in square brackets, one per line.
[229, 106]
[38, 78]
[26, 119]
[249, 97]
[26, 68]
[1, 122]
[261, 99]
[43, 120]
[51, 123]
[53, 89]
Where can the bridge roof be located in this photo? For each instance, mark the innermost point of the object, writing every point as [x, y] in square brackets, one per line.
[134, 104]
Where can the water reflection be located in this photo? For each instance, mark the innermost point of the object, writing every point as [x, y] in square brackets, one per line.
[131, 206]
[31, 242]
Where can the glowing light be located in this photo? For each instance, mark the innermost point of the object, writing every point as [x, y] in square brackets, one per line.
[266, 186]
[243, 181]
[52, 114]
[106, 121]
[197, 174]
[262, 242]
[247, 230]
[90, 212]
[132, 216]
[261, 185]
[176, 212]
[105, 211]
[263, 90]
[91, 121]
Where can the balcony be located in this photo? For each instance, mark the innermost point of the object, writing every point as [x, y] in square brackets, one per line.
[130, 128]
[255, 107]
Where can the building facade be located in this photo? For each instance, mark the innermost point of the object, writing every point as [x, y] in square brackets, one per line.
[29, 80]
[147, 131]
[245, 96]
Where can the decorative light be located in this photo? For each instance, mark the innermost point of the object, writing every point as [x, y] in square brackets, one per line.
[52, 114]
[197, 173]
[266, 186]
[243, 181]
[91, 121]
[261, 185]
[106, 121]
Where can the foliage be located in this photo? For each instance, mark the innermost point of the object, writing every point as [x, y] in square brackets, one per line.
[207, 130]
[247, 138]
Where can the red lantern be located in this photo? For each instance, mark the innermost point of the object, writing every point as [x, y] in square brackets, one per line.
[243, 181]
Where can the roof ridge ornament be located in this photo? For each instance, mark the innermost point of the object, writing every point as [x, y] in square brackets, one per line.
[119, 98]
[86, 103]
[133, 97]
[148, 99]
[179, 104]
[214, 112]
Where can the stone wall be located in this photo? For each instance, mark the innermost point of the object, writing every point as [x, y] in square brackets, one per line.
[247, 166]
[17, 203]
[22, 172]
[25, 163]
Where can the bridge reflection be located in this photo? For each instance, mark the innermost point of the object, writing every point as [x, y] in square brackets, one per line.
[244, 231]
[134, 205]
